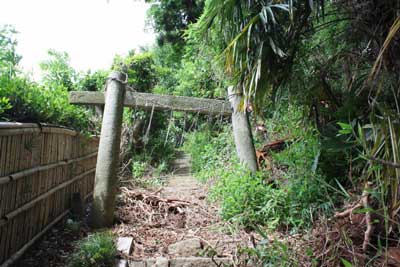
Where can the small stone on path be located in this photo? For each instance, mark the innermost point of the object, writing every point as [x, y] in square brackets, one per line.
[185, 248]
[125, 245]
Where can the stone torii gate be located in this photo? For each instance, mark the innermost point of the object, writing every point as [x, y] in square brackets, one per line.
[114, 100]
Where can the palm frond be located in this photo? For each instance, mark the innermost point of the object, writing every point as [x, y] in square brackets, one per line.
[260, 38]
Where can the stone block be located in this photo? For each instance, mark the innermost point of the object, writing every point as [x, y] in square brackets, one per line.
[125, 245]
[185, 248]
[198, 262]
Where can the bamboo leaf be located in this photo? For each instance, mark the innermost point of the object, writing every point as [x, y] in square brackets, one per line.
[378, 62]
[346, 263]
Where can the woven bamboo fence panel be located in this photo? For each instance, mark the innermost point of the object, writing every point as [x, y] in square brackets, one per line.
[40, 169]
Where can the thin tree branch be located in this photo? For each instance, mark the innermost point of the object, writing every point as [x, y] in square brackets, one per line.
[385, 162]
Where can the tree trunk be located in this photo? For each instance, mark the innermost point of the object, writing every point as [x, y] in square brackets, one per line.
[102, 213]
[242, 132]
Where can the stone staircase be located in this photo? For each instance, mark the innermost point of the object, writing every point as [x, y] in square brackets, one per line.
[181, 164]
[181, 262]
[183, 254]
[187, 252]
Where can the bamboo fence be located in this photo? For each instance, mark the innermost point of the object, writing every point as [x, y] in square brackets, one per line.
[41, 167]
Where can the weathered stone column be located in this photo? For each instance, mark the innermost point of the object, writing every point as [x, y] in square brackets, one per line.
[102, 213]
[242, 132]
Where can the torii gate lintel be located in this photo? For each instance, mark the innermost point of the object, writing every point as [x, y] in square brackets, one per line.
[160, 102]
[102, 213]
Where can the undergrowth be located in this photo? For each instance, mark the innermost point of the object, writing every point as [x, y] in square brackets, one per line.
[149, 147]
[209, 151]
[269, 253]
[288, 195]
[97, 250]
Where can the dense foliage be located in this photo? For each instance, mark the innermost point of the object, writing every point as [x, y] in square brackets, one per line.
[261, 39]
[336, 64]
[140, 69]
[9, 58]
[97, 250]
[289, 196]
[30, 102]
[57, 71]
[338, 60]
[169, 18]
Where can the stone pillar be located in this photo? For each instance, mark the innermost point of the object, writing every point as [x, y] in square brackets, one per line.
[102, 213]
[242, 132]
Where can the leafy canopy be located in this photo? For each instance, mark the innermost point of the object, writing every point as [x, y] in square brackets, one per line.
[57, 70]
[9, 58]
[169, 18]
[140, 69]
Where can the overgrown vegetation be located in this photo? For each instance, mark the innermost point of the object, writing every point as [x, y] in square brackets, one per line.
[321, 79]
[337, 61]
[24, 100]
[290, 194]
[97, 250]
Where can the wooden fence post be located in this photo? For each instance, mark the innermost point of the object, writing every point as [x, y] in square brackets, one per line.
[242, 132]
[102, 213]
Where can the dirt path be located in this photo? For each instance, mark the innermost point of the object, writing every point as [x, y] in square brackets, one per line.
[172, 226]
[175, 224]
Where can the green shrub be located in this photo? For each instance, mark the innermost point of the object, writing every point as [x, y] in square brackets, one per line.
[29, 102]
[253, 199]
[247, 199]
[156, 154]
[138, 169]
[97, 250]
[161, 168]
[95, 81]
[269, 254]
[4, 105]
[140, 70]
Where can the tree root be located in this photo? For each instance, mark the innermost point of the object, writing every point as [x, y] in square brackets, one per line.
[362, 203]
[368, 232]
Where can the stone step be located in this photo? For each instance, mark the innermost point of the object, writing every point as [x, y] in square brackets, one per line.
[180, 171]
[179, 165]
[182, 262]
[180, 254]
[184, 160]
